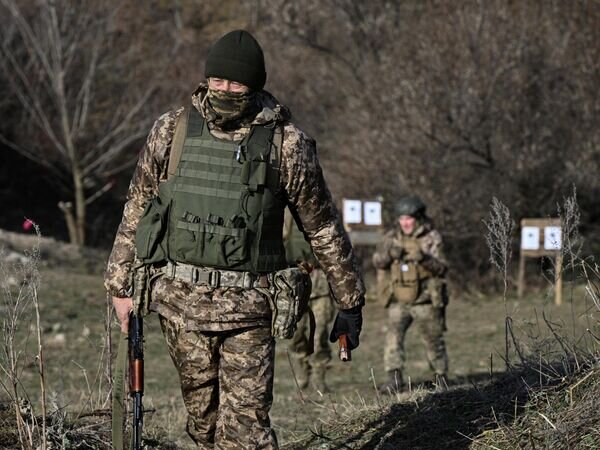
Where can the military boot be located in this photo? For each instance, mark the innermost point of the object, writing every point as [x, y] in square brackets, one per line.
[318, 380]
[302, 373]
[440, 382]
[394, 384]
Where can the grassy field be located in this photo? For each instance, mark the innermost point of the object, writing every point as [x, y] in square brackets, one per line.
[73, 307]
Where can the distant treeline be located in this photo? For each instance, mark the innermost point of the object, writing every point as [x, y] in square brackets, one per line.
[454, 101]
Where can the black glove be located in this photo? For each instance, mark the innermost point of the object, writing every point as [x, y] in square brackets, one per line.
[434, 265]
[348, 322]
[396, 252]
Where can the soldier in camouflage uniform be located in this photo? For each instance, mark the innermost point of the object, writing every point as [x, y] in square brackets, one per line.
[412, 253]
[310, 367]
[242, 163]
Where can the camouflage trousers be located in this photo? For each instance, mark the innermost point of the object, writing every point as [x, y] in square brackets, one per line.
[227, 384]
[430, 324]
[323, 310]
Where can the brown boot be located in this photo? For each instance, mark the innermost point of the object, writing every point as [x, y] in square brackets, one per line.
[318, 380]
[394, 384]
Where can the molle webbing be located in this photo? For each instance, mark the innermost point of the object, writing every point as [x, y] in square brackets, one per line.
[221, 165]
[212, 173]
[225, 212]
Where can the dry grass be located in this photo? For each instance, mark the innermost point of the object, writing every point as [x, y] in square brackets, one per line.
[485, 408]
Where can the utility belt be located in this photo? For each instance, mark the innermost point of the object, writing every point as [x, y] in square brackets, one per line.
[216, 278]
[287, 290]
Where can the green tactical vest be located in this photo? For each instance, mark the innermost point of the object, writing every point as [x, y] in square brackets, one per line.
[408, 278]
[296, 246]
[219, 209]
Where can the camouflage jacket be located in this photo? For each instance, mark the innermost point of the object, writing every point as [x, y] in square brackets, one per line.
[430, 243]
[302, 185]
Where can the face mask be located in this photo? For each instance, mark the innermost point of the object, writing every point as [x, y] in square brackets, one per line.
[232, 108]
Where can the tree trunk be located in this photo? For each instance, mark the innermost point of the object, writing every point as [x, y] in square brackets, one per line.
[79, 206]
[67, 209]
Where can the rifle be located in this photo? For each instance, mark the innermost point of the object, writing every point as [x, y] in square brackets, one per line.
[131, 346]
[136, 376]
[345, 354]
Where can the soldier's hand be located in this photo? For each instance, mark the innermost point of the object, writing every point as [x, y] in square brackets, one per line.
[435, 266]
[123, 306]
[414, 254]
[396, 252]
[348, 322]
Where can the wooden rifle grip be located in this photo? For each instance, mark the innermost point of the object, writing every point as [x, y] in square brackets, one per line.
[137, 376]
[344, 350]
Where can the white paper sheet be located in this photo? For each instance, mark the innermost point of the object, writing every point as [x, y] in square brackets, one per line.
[352, 211]
[372, 213]
[530, 238]
[552, 238]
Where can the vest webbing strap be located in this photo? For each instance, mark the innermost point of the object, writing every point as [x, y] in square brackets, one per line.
[213, 160]
[213, 229]
[212, 192]
[179, 137]
[177, 142]
[198, 142]
[220, 177]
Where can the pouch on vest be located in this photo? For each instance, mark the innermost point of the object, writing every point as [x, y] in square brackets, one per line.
[211, 241]
[149, 237]
[405, 281]
[289, 300]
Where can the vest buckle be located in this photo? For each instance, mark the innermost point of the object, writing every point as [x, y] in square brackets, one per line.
[194, 275]
[214, 278]
[240, 153]
[247, 280]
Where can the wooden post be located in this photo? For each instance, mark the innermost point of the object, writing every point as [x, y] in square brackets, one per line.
[558, 279]
[539, 248]
[521, 279]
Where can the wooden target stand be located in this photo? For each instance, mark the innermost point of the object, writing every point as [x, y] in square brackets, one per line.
[539, 238]
[363, 221]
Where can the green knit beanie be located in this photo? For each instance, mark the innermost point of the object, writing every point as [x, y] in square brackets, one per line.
[237, 56]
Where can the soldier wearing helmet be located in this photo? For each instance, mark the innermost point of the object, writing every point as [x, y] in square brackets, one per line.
[412, 254]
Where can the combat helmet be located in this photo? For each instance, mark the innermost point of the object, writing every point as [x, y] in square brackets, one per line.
[410, 206]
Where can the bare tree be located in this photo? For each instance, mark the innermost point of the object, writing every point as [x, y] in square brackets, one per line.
[456, 101]
[82, 108]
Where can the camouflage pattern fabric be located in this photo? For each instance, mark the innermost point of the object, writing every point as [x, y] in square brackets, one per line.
[429, 323]
[202, 308]
[428, 318]
[232, 108]
[323, 309]
[227, 383]
[430, 244]
[301, 181]
[219, 339]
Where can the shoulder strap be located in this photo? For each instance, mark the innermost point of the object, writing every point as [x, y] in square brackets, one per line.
[177, 142]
